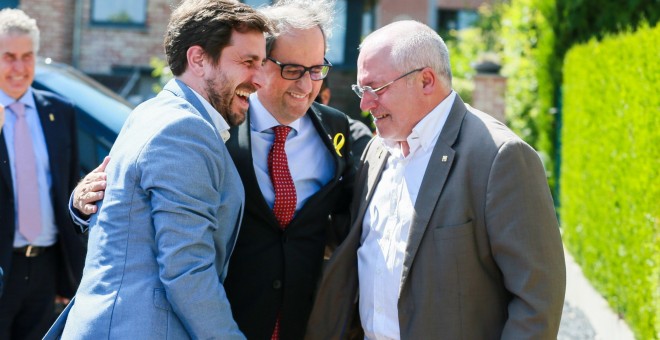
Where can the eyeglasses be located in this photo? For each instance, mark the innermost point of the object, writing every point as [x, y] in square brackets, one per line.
[360, 90]
[295, 71]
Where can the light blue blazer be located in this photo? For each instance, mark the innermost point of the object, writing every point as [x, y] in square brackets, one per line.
[160, 243]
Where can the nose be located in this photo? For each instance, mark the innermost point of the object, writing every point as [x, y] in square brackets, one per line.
[305, 82]
[18, 64]
[367, 102]
[259, 77]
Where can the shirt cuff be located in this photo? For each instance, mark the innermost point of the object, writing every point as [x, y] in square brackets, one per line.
[76, 216]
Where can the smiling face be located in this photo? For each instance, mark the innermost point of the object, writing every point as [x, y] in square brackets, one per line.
[17, 61]
[396, 110]
[237, 74]
[288, 100]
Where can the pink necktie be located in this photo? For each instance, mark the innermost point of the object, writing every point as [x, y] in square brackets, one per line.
[280, 176]
[29, 207]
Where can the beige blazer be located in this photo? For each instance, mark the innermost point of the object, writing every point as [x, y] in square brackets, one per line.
[484, 258]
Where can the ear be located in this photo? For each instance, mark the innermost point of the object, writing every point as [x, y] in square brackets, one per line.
[196, 59]
[429, 81]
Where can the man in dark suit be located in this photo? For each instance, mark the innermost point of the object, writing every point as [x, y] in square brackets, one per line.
[276, 264]
[455, 234]
[40, 252]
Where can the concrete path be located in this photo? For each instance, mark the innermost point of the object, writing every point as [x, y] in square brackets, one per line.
[586, 314]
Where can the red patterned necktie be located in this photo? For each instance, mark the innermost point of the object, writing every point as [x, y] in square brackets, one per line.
[285, 190]
[29, 208]
[280, 176]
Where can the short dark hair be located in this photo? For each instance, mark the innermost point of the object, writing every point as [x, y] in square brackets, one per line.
[208, 24]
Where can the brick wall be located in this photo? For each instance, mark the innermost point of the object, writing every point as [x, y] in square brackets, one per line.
[461, 4]
[395, 10]
[55, 21]
[102, 47]
[488, 95]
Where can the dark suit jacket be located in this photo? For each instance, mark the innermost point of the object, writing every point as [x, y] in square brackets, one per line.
[272, 270]
[484, 257]
[60, 134]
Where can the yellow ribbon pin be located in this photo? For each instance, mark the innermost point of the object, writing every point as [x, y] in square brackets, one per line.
[338, 142]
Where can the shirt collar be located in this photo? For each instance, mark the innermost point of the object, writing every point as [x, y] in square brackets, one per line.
[262, 120]
[219, 121]
[427, 131]
[27, 99]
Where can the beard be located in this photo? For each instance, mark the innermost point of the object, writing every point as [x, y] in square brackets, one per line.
[221, 98]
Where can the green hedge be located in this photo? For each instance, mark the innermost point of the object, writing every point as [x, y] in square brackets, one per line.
[527, 41]
[610, 174]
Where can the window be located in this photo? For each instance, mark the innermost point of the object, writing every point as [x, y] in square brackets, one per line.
[455, 20]
[8, 4]
[257, 3]
[119, 12]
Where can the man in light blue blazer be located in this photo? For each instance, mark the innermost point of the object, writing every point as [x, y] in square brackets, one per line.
[161, 240]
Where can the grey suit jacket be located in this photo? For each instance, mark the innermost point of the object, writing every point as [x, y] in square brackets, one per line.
[162, 238]
[484, 258]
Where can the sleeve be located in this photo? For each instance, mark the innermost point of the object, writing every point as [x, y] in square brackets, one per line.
[526, 242]
[82, 224]
[182, 170]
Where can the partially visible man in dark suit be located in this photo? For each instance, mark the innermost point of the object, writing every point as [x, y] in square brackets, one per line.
[39, 250]
[454, 232]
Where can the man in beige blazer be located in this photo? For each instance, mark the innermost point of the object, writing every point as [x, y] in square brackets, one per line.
[454, 234]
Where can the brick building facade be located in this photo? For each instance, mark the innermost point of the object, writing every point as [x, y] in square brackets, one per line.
[119, 55]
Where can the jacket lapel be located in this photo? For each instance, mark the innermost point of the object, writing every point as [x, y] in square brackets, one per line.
[433, 182]
[5, 171]
[240, 149]
[375, 162]
[48, 119]
[326, 137]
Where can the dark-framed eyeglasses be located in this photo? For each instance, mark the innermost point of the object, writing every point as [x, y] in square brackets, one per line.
[295, 71]
[360, 90]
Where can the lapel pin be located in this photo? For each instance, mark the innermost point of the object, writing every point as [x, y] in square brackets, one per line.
[52, 117]
[338, 142]
[444, 158]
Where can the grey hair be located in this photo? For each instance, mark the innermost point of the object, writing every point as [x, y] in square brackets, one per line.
[15, 21]
[414, 45]
[289, 15]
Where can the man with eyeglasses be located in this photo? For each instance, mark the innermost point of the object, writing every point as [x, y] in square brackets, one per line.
[276, 264]
[277, 259]
[454, 232]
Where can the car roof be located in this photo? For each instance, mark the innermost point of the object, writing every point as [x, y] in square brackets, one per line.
[86, 93]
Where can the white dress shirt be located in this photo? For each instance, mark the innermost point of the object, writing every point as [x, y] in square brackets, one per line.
[310, 161]
[48, 235]
[386, 225]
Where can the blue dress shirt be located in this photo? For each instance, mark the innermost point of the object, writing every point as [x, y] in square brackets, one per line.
[48, 235]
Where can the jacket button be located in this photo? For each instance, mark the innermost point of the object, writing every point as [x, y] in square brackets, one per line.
[284, 238]
[277, 284]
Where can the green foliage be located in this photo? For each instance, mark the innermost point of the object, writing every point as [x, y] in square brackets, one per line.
[527, 44]
[519, 33]
[161, 71]
[611, 166]
[577, 21]
[469, 46]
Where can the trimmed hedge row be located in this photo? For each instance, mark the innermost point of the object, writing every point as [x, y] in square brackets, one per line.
[610, 175]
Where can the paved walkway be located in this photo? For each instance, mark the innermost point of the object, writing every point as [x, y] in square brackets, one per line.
[586, 314]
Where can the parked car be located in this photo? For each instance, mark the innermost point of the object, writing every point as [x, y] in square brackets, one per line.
[100, 113]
